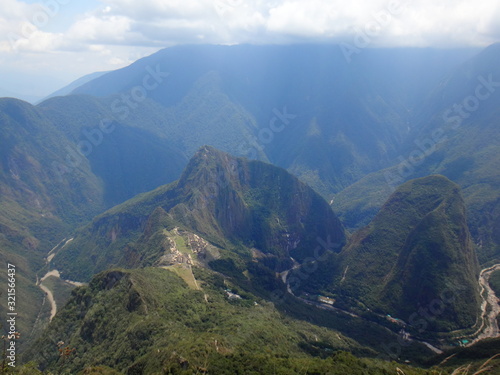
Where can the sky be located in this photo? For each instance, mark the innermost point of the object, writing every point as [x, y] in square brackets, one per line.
[46, 44]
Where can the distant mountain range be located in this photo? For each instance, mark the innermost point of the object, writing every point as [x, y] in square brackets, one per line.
[303, 108]
[185, 161]
[73, 85]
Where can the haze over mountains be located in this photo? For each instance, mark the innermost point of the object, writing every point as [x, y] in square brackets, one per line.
[458, 138]
[289, 101]
[285, 173]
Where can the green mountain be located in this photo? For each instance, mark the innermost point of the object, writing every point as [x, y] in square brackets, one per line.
[150, 321]
[415, 256]
[59, 167]
[361, 130]
[248, 209]
[37, 208]
[182, 316]
[245, 220]
[127, 155]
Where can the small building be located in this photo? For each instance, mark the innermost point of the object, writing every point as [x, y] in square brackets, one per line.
[328, 301]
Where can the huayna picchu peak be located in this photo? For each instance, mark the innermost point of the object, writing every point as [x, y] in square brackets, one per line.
[241, 206]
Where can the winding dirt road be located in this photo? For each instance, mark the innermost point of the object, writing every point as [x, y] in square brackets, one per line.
[50, 297]
[55, 273]
[48, 292]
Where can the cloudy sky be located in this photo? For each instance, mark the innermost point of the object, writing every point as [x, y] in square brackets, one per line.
[45, 44]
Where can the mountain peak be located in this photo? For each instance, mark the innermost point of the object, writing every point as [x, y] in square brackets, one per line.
[416, 248]
[209, 150]
[231, 202]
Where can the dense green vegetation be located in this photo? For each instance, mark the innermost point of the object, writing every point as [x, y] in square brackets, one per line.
[149, 321]
[148, 230]
[420, 239]
[60, 289]
[36, 209]
[416, 253]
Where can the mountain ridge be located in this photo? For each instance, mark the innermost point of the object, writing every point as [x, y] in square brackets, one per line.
[357, 118]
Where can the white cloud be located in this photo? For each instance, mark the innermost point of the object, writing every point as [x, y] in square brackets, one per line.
[114, 33]
[104, 29]
[423, 23]
[167, 22]
[152, 10]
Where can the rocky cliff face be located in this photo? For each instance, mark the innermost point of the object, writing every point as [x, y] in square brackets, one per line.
[254, 202]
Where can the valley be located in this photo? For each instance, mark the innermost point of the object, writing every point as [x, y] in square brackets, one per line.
[490, 311]
[257, 211]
